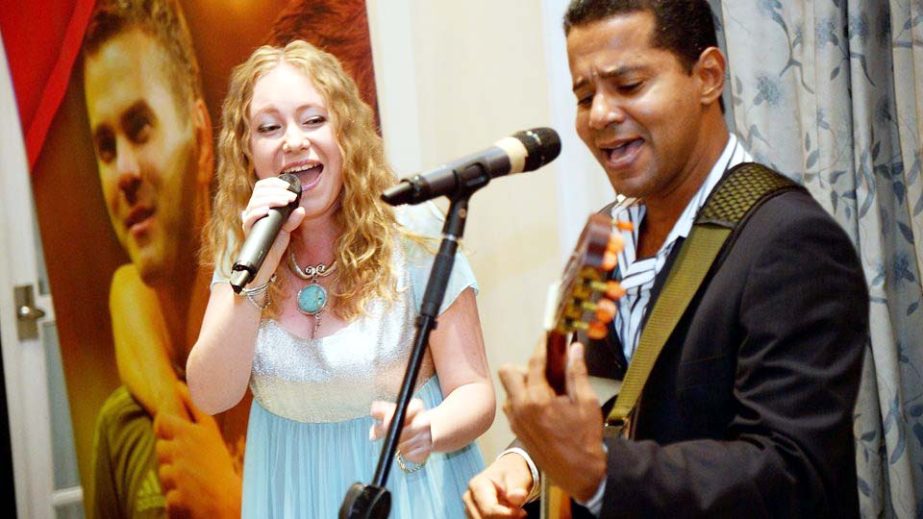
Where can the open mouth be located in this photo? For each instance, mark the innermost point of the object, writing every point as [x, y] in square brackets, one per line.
[309, 174]
[624, 153]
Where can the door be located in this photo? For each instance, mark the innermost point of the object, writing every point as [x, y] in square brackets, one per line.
[44, 460]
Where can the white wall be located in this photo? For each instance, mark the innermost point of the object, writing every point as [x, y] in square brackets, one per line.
[453, 77]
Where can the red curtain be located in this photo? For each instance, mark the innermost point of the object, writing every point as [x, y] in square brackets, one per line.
[42, 39]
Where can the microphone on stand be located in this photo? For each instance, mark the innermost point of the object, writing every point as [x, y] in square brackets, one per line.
[523, 151]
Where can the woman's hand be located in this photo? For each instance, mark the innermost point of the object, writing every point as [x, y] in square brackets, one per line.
[268, 193]
[416, 442]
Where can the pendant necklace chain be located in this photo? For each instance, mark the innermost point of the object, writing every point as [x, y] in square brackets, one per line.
[312, 299]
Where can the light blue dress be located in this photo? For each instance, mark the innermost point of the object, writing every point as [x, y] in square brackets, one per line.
[307, 439]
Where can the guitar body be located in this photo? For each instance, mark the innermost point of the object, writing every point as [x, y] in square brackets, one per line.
[566, 508]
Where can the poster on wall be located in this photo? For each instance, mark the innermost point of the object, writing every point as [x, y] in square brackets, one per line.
[120, 123]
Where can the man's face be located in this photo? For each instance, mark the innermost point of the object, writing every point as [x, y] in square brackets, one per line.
[638, 110]
[146, 151]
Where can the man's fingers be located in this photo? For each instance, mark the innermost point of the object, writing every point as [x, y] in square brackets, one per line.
[166, 475]
[577, 377]
[176, 506]
[537, 363]
[516, 496]
[516, 480]
[185, 397]
[167, 426]
[163, 451]
[536, 381]
[513, 379]
[484, 497]
[471, 510]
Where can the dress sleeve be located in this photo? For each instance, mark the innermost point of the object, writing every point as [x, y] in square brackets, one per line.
[223, 264]
[217, 277]
[425, 222]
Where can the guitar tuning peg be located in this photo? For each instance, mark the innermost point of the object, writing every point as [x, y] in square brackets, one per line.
[614, 290]
[596, 331]
[609, 260]
[605, 311]
[616, 243]
[623, 225]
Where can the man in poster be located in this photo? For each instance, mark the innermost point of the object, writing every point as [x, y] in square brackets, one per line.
[154, 452]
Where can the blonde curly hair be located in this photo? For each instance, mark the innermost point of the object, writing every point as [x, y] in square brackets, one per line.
[364, 249]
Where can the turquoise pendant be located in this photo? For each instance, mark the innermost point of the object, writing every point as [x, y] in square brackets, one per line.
[312, 299]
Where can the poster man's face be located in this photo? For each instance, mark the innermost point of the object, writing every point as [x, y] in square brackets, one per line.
[146, 151]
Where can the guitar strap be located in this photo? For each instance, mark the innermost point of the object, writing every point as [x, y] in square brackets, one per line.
[739, 193]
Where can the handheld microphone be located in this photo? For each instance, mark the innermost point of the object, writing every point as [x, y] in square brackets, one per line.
[523, 151]
[261, 237]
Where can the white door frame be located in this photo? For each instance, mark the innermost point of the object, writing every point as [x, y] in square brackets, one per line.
[23, 361]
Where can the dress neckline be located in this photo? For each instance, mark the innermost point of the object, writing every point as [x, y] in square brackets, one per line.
[298, 338]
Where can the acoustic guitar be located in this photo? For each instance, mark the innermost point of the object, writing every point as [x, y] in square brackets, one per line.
[583, 300]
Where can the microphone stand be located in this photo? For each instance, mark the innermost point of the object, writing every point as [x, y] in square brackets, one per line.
[374, 500]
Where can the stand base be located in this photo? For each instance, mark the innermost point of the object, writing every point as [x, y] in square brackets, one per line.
[366, 502]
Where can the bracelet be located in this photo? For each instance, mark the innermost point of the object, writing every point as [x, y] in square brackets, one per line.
[408, 466]
[262, 290]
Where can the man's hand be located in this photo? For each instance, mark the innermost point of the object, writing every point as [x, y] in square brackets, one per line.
[196, 470]
[500, 490]
[416, 442]
[562, 433]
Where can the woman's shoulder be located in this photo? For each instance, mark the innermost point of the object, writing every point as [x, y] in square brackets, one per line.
[422, 219]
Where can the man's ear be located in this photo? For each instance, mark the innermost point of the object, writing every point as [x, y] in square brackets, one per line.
[710, 71]
[204, 142]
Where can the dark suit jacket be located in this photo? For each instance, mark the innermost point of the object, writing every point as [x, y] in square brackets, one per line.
[748, 411]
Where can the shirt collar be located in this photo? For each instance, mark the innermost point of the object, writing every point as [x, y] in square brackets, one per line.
[732, 155]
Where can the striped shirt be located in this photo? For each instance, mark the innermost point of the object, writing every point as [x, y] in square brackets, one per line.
[637, 275]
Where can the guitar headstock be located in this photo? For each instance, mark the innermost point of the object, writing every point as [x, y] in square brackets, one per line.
[585, 297]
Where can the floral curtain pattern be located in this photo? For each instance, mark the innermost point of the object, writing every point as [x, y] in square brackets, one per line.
[830, 92]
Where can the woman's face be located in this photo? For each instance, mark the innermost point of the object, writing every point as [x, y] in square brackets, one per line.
[291, 132]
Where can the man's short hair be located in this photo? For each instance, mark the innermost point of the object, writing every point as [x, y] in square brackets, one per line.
[683, 27]
[164, 22]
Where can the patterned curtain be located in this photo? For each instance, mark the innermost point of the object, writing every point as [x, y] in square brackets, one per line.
[830, 92]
